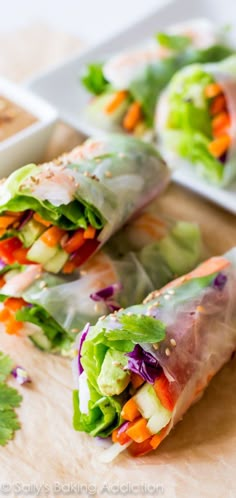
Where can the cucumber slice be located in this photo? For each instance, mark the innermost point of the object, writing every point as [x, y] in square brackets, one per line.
[41, 341]
[56, 264]
[158, 421]
[41, 253]
[151, 408]
[30, 232]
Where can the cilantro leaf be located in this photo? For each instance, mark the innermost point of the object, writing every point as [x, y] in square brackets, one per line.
[6, 365]
[94, 80]
[9, 399]
[173, 42]
[139, 328]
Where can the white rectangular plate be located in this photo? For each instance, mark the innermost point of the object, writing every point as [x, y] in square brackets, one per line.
[61, 85]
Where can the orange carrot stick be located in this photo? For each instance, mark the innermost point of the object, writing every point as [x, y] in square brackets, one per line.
[138, 430]
[221, 121]
[6, 221]
[130, 410]
[136, 380]
[52, 236]
[38, 218]
[14, 303]
[90, 232]
[212, 90]
[68, 267]
[132, 116]
[13, 327]
[118, 98]
[218, 105]
[219, 146]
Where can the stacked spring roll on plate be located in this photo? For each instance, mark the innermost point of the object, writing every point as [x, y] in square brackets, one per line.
[139, 370]
[127, 86]
[60, 213]
[51, 309]
[196, 121]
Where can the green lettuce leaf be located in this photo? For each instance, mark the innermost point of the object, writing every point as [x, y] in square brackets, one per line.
[173, 42]
[93, 79]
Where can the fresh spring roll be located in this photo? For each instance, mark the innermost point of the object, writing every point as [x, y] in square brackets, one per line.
[140, 369]
[127, 86]
[59, 213]
[52, 309]
[196, 121]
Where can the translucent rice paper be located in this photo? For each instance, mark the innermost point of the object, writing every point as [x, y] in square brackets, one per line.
[224, 73]
[116, 175]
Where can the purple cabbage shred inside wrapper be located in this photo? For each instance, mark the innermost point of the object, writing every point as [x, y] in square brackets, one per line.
[144, 364]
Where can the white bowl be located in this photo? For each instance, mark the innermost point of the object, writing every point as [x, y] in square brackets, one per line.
[28, 144]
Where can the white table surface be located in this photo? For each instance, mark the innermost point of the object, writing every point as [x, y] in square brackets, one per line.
[90, 20]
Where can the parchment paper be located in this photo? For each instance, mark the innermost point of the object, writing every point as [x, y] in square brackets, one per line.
[48, 458]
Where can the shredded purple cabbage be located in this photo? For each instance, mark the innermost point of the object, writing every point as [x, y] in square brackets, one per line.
[220, 281]
[21, 375]
[106, 293]
[106, 296]
[2, 264]
[26, 217]
[144, 364]
[82, 339]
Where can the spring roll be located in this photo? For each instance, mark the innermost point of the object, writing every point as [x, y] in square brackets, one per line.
[139, 370]
[52, 309]
[196, 121]
[58, 214]
[127, 86]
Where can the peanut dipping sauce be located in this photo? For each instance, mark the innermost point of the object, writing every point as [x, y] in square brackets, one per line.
[13, 118]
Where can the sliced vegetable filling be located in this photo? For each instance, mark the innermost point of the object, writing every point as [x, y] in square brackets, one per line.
[127, 86]
[138, 370]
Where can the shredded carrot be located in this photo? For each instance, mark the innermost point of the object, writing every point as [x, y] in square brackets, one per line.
[212, 90]
[14, 303]
[158, 438]
[132, 116]
[90, 232]
[75, 241]
[161, 386]
[5, 314]
[130, 410]
[138, 430]
[136, 380]
[221, 121]
[6, 221]
[115, 102]
[219, 146]
[38, 218]
[68, 267]
[218, 105]
[13, 327]
[52, 236]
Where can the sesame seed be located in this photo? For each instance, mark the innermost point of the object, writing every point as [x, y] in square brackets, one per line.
[42, 285]
[173, 342]
[171, 291]
[156, 345]
[96, 307]
[102, 317]
[166, 296]
[74, 331]
[83, 272]
[167, 352]
[129, 313]
[108, 174]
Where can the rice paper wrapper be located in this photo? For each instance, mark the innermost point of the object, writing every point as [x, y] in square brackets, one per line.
[224, 73]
